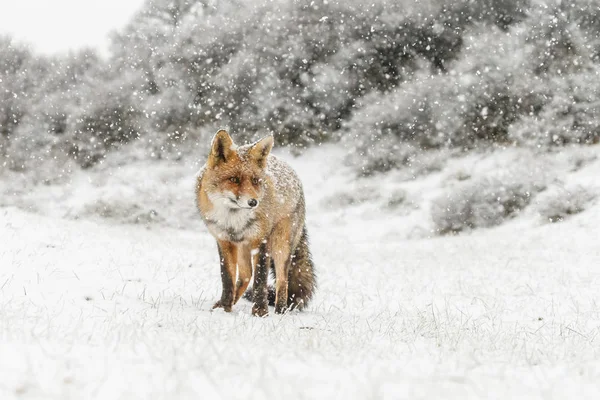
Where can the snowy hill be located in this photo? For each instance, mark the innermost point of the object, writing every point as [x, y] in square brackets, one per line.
[98, 308]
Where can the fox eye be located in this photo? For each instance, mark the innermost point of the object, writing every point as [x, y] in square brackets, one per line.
[255, 181]
[235, 179]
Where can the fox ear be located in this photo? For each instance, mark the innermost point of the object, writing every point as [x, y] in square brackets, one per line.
[261, 149]
[221, 148]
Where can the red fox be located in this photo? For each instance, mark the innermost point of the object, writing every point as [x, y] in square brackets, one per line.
[253, 204]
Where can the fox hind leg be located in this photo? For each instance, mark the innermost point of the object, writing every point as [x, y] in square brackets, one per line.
[281, 286]
[281, 253]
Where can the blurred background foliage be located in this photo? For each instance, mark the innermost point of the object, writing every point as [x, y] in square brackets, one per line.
[386, 79]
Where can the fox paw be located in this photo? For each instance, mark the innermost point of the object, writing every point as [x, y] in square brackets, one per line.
[260, 311]
[219, 304]
[281, 309]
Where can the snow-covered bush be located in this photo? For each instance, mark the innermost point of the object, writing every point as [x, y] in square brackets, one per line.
[345, 198]
[531, 83]
[15, 87]
[564, 56]
[107, 119]
[119, 210]
[32, 145]
[476, 102]
[292, 68]
[502, 13]
[559, 203]
[488, 88]
[561, 42]
[398, 199]
[390, 77]
[487, 201]
[570, 113]
[480, 204]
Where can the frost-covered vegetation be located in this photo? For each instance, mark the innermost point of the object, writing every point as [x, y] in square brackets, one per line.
[492, 197]
[403, 86]
[562, 202]
[391, 78]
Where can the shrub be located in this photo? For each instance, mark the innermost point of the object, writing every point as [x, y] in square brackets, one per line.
[561, 202]
[15, 87]
[107, 120]
[484, 202]
[346, 198]
[485, 91]
[570, 113]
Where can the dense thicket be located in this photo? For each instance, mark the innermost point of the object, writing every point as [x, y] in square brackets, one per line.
[385, 77]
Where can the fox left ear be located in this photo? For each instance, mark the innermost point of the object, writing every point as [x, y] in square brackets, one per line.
[261, 149]
[221, 148]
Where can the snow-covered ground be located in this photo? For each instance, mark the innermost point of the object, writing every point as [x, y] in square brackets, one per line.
[108, 308]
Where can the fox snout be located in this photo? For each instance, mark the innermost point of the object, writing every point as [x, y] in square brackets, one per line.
[243, 201]
[249, 203]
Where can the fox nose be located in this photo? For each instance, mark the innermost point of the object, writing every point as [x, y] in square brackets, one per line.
[252, 203]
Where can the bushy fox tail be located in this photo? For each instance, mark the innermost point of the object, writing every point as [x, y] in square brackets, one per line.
[302, 281]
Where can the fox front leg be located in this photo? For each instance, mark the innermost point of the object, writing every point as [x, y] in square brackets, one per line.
[244, 264]
[260, 308]
[228, 261]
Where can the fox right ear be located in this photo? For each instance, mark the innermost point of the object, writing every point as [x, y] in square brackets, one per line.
[221, 148]
[261, 149]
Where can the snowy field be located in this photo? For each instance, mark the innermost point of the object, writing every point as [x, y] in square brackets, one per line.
[450, 160]
[102, 305]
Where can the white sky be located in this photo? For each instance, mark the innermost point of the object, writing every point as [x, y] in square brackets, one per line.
[52, 26]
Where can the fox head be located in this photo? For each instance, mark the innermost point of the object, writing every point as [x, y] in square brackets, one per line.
[235, 176]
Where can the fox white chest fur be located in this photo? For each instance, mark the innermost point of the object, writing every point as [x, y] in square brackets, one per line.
[226, 221]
